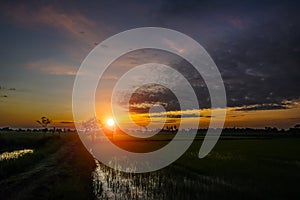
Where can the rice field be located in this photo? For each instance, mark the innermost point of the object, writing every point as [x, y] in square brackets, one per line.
[238, 168]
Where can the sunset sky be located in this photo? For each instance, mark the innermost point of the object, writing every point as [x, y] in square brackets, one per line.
[255, 45]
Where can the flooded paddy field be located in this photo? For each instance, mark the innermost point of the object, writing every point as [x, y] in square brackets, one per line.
[59, 167]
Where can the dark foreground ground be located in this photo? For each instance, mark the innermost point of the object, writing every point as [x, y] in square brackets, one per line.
[237, 168]
[59, 168]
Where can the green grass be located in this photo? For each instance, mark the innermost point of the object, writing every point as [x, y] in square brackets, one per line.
[237, 168]
[258, 169]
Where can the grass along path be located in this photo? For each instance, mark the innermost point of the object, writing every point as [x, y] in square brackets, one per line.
[64, 173]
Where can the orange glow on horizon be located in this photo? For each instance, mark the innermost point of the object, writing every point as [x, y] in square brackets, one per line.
[14, 115]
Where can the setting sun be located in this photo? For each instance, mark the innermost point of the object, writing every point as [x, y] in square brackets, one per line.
[110, 122]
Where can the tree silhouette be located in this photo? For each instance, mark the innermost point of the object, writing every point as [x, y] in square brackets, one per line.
[44, 122]
[297, 126]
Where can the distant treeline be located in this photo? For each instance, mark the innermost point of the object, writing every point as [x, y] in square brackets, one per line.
[243, 131]
[225, 131]
[37, 130]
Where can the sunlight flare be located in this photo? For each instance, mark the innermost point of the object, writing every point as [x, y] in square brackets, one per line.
[110, 122]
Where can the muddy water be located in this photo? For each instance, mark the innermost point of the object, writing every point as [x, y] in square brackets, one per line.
[173, 182]
[111, 184]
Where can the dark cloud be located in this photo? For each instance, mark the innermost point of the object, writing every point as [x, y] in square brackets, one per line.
[189, 116]
[233, 116]
[178, 7]
[66, 122]
[152, 94]
[253, 72]
[149, 95]
[6, 90]
[255, 44]
[262, 107]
